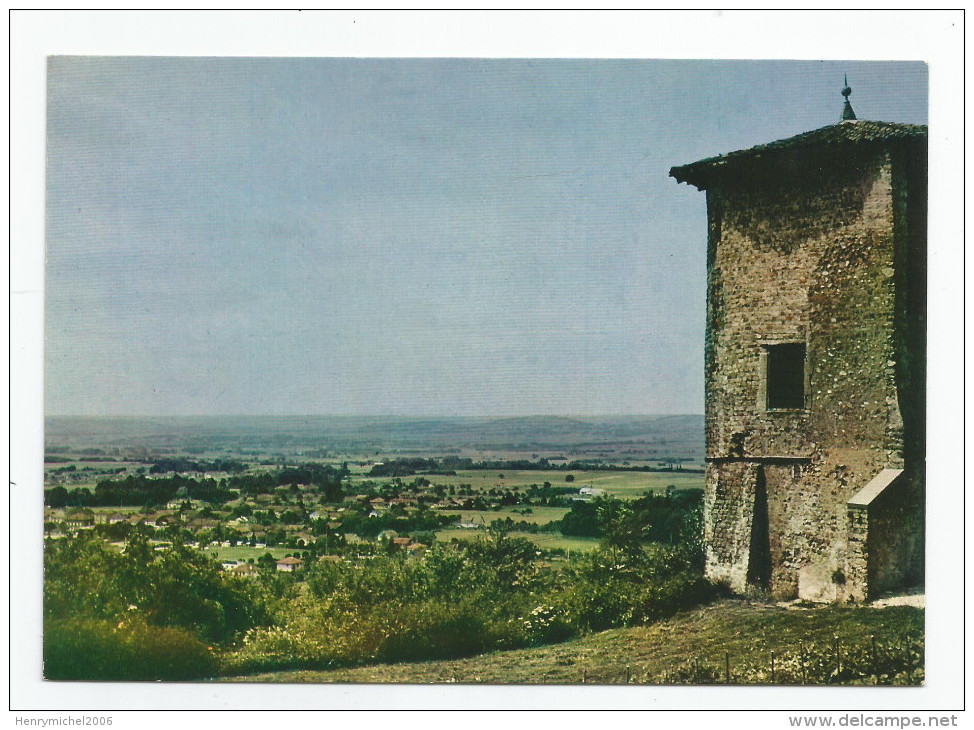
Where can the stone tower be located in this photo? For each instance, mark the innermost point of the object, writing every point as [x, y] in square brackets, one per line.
[815, 361]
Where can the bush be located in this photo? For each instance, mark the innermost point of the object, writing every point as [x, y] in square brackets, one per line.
[678, 593]
[613, 587]
[314, 634]
[149, 614]
[547, 624]
[99, 650]
[335, 632]
[599, 606]
[178, 587]
[435, 631]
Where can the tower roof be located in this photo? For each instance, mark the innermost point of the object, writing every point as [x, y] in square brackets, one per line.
[836, 136]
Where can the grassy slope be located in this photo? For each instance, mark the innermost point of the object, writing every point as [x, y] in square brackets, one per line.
[748, 631]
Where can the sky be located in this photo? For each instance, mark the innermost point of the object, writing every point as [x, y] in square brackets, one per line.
[436, 237]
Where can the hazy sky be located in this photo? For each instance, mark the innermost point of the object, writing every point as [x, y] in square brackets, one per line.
[414, 237]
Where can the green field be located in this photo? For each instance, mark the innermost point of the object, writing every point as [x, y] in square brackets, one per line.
[622, 484]
[537, 515]
[545, 541]
[632, 484]
[244, 553]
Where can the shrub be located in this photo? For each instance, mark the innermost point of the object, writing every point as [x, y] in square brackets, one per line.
[546, 624]
[668, 596]
[599, 606]
[175, 587]
[159, 607]
[312, 635]
[99, 650]
[329, 633]
[435, 631]
[613, 587]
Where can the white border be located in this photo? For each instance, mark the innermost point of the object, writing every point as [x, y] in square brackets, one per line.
[877, 35]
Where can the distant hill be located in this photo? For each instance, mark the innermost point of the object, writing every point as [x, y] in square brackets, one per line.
[580, 436]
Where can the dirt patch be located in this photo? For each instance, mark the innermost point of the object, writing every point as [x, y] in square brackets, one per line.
[917, 600]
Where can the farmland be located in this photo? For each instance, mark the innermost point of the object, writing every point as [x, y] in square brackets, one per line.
[622, 484]
[544, 541]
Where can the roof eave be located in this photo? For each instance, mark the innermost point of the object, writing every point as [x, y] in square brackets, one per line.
[696, 173]
[700, 173]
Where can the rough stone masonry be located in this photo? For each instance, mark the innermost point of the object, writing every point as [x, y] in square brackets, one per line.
[815, 361]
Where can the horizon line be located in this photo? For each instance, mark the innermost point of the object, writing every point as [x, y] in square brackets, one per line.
[366, 415]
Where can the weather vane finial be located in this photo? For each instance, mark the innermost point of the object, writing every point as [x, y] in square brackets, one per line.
[847, 112]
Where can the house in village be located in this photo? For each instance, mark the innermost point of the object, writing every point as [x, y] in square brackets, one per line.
[247, 570]
[79, 518]
[815, 361]
[289, 564]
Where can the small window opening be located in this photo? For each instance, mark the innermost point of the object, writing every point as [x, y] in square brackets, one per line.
[786, 376]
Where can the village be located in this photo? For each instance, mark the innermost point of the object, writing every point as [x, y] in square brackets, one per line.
[288, 527]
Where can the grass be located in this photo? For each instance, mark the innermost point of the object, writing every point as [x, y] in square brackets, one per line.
[244, 553]
[747, 631]
[623, 484]
[630, 485]
[616, 483]
[109, 510]
[537, 515]
[544, 541]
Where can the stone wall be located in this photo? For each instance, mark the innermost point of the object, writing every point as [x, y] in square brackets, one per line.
[895, 538]
[885, 541]
[729, 514]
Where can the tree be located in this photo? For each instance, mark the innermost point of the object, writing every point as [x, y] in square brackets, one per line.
[582, 520]
[56, 497]
[427, 537]
[691, 537]
[332, 489]
[175, 587]
[620, 525]
[501, 560]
